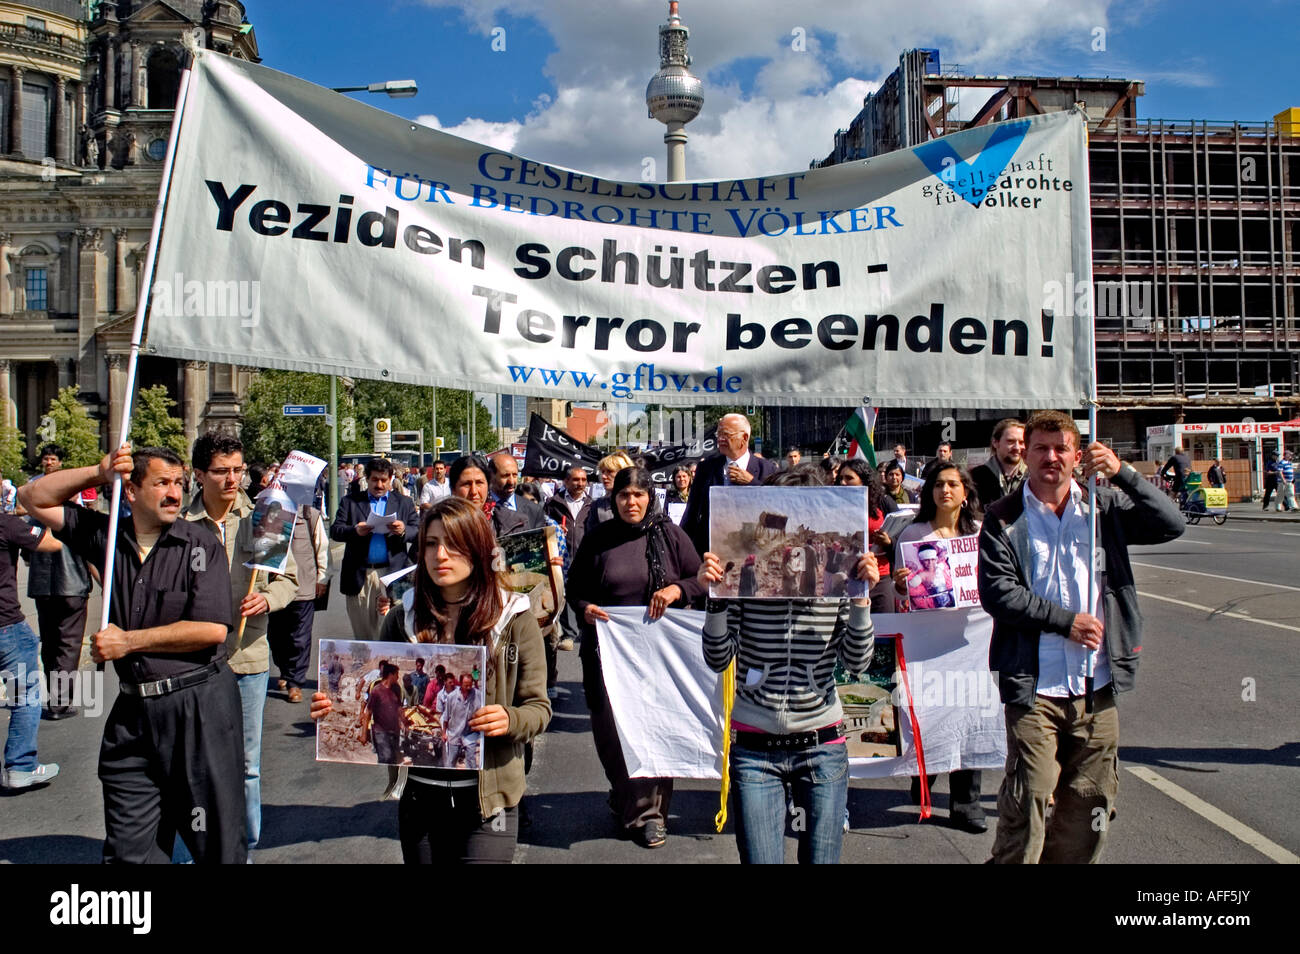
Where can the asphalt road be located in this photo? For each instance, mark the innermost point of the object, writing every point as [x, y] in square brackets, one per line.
[1210, 745]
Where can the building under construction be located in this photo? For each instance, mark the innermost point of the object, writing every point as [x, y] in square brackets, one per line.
[1194, 231]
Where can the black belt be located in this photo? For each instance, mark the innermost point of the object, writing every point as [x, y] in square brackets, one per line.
[378, 566]
[766, 742]
[161, 687]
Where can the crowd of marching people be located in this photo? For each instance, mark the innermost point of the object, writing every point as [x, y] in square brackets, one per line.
[193, 632]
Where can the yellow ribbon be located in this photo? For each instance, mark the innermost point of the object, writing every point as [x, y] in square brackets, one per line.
[728, 702]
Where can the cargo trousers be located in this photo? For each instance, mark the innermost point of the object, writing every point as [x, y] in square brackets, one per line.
[1055, 747]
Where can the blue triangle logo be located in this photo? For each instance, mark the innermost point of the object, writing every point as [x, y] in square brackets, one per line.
[941, 159]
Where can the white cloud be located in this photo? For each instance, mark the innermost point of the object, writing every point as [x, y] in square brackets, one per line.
[607, 52]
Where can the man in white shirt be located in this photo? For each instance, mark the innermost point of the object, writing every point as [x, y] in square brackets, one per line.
[436, 488]
[1033, 581]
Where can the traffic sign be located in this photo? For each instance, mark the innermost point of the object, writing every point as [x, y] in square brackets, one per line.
[305, 410]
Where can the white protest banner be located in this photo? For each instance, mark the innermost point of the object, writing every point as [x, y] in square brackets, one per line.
[308, 231]
[668, 703]
[297, 476]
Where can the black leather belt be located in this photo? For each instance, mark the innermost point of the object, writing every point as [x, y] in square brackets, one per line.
[161, 687]
[766, 742]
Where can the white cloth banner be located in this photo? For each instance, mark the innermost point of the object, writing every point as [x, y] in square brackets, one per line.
[668, 703]
[305, 230]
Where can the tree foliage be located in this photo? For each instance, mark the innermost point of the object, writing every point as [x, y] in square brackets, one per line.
[152, 423]
[269, 435]
[68, 424]
[12, 461]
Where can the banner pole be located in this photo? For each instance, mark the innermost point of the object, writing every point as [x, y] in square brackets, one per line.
[1092, 410]
[137, 334]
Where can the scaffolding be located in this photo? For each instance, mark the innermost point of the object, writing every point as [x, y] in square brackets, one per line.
[1194, 229]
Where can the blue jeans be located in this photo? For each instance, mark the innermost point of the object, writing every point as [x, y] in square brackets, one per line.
[252, 697]
[20, 670]
[817, 779]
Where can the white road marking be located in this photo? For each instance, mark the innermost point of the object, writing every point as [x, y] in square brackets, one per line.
[1218, 612]
[1236, 829]
[1217, 576]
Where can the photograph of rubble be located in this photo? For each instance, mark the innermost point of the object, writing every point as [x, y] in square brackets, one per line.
[401, 704]
[788, 542]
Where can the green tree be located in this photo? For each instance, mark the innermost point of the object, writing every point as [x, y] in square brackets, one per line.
[12, 461]
[267, 434]
[152, 423]
[68, 424]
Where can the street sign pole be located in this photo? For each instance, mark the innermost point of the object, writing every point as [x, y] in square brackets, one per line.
[332, 483]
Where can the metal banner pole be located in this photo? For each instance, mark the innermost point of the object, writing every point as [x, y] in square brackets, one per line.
[137, 334]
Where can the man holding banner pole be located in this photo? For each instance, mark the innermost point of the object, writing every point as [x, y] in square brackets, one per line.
[1059, 666]
[171, 759]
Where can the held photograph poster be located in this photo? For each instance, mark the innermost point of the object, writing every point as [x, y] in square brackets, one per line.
[401, 704]
[870, 716]
[526, 559]
[274, 514]
[788, 542]
[941, 573]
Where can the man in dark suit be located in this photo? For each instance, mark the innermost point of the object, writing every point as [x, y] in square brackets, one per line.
[372, 552]
[735, 466]
[505, 477]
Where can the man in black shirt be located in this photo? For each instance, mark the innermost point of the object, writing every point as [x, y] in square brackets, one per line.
[18, 657]
[171, 759]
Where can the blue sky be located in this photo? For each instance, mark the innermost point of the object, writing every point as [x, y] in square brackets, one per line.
[568, 87]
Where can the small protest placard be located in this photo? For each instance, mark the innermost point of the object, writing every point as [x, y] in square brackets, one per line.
[274, 514]
[941, 573]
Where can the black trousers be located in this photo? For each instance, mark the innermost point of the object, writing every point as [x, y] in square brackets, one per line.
[62, 621]
[175, 764]
[439, 825]
[289, 633]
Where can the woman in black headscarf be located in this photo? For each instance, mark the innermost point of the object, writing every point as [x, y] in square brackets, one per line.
[639, 558]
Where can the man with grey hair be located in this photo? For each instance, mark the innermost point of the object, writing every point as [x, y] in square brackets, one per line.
[734, 466]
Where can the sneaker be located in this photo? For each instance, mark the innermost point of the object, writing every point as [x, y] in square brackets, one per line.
[565, 644]
[38, 776]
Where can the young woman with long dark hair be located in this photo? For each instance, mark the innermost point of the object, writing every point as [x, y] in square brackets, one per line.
[448, 815]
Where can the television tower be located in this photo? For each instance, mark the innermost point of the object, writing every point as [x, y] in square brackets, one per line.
[675, 95]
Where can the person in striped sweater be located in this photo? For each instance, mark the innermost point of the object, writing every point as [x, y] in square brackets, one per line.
[787, 716]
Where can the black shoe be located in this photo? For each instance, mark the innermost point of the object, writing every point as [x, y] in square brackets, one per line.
[652, 835]
[55, 715]
[968, 818]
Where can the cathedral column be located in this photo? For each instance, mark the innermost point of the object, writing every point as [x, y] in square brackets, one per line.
[116, 396]
[59, 116]
[6, 299]
[8, 413]
[16, 111]
[121, 281]
[194, 398]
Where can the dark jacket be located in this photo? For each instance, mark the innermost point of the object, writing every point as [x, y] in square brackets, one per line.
[1140, 515]
[988, 482]
[709, 474]
[574, 527]
[534, 519]
[353, 509]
